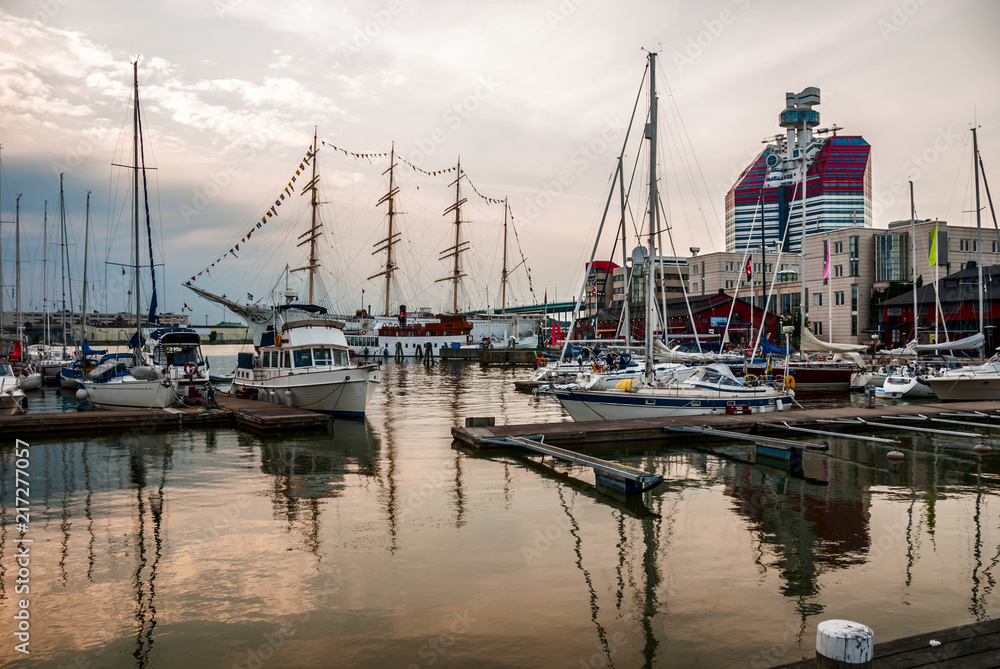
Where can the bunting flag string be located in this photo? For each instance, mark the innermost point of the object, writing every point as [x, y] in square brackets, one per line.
[270, 213]
[491, 200]
[369, 156]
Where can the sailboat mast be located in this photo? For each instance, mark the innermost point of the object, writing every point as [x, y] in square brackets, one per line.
[17, 269]
[458, 236]
[62, 258]
[391, 235]
[802, 235]
[913, 253]
[314, 202]
[979, 233]
[456, 250]
[135, 213]
[653, 223]
[503, 274]
[45, 274]
[86, 250]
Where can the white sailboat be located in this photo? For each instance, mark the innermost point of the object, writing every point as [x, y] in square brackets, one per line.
[709, 389]
[144, 387]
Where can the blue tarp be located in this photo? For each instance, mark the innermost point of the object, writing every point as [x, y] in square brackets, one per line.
[769, 348]
[91, 351]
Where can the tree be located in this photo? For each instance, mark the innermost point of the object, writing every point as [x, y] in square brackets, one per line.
[212, 337]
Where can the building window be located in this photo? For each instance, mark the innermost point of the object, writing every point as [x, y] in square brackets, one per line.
[838, 270]
[818, 329]
[854, 325]
[729, 284]
[817, 300]
[854, 256]
[854, 298]
[838, 298]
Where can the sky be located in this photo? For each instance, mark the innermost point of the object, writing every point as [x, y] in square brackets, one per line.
[534, 96]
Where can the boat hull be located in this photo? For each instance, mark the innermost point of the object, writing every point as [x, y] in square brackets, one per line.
[612, 405]
[964, 388]
[123, 394]
[819, 377]
[339, 392]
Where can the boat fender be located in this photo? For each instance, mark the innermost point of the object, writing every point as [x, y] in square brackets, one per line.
[790, 381]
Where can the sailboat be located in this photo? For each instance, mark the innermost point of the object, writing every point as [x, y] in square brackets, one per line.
[302, 358]
[709, 389]
[144, 387]
[28, 378]
[977, 382]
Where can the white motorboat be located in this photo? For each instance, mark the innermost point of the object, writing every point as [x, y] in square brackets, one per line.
[177, 351]
[306, 364]
[975, 382]
[11, 395]
[903, 383]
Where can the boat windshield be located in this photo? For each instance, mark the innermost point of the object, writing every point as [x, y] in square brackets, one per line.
[302, 357]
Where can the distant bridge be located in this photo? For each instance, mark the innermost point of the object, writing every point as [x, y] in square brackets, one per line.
[557, 310]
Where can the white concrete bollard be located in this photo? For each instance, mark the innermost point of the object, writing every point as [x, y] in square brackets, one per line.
[842, 643]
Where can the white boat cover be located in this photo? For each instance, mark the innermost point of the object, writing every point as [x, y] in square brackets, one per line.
[663, 354]
[811, 343]
[975, 341]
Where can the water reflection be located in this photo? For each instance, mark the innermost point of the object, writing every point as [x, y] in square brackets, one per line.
[305, 470]
[729, 540]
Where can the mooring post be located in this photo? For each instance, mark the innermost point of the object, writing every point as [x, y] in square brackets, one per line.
[842, 643]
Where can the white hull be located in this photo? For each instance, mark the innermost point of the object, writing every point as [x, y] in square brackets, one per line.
[32, 381]
[342, 391]
[591, 406]
[895, 387]
[129, 393]
[965, 388]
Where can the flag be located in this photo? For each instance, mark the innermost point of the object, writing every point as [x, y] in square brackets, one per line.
[826, 263]
[767, 372]
[932, 258]
[187, 307]
[123, 271]
[249, 297]
[749, 268]
[595, 290]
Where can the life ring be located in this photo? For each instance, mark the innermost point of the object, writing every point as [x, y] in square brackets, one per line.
[364, 332]
[790, 382]
[194, 370]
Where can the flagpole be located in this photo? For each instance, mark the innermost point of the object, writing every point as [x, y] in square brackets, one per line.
[829, 284]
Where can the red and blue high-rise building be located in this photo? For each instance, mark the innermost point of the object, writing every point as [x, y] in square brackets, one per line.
[764, 206]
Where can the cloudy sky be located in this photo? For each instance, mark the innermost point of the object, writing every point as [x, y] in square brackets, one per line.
[534, 96]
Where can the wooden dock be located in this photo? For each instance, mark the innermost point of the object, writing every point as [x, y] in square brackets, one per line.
[253, 415]
[620, 432]
[967, 647]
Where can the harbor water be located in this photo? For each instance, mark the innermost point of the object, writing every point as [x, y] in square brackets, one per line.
[379, 543]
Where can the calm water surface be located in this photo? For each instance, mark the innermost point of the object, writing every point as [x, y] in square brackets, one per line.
[380, 544]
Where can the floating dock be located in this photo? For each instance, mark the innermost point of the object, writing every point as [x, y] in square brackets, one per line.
[253, 415]
[616, 433]
[965, 647]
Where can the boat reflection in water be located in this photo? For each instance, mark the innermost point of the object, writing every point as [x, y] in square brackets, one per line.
[212, 547]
